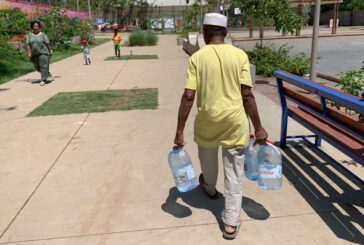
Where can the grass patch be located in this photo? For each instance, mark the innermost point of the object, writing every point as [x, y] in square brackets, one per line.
[98, 101]
[22, 65]
[134, 57]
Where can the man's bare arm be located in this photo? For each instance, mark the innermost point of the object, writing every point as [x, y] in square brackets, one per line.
[187, 100]
[251, 109]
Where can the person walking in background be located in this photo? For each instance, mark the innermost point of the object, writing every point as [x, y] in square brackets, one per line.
[219, 74]
[39, 51]
[117, 41]
[86, 51]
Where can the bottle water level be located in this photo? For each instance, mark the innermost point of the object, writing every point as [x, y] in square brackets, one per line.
[270, 176]
[185, 178]
[251, 162]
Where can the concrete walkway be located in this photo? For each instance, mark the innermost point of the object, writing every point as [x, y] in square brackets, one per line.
[103, 178]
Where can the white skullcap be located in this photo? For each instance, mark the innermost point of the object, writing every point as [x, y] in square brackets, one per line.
[215, 19]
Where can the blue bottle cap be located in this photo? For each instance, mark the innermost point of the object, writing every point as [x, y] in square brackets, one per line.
[176, 149]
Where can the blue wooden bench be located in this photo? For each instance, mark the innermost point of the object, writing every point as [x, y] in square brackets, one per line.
[308, 104]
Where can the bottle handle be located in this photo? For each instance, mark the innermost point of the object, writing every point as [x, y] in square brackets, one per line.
[271, 143]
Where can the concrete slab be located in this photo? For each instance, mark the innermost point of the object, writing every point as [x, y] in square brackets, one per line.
[29, 149]
[284, 230]
[104, 180]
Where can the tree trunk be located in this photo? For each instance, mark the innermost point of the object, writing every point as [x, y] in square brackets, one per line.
[261, 30]
[251, 25]
[299, 10]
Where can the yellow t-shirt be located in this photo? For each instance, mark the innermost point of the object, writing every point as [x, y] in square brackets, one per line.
[216, 73]
[117, 39]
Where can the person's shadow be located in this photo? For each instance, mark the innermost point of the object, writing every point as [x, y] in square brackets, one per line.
[38, 81]
[198, 199]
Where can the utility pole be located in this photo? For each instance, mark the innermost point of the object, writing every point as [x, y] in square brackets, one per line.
[78, 6]
[200, 16]
[316, 30]
[299, 13]
[180, 15]
[251, 25]
[336, 10]
[89, 10]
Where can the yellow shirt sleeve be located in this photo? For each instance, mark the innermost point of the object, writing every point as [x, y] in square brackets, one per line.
[245, 77]
[191, 82]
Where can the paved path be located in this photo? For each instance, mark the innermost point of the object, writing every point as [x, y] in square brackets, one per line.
[103, 178]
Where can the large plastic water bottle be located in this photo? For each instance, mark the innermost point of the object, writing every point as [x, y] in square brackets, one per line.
[251, 159]
[269, 167]
[182, 169]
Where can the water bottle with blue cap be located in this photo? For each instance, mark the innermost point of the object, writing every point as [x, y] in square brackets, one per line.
[182, 169]
[269, 167]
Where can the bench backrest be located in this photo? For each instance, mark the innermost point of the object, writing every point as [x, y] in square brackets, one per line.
[348, 101]
[319, 105]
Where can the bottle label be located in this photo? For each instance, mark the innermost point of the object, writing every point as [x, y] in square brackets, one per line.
[267, 172]
[185, 174]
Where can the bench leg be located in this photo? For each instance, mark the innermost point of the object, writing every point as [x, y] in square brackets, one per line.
[318, 141]
[284, 124]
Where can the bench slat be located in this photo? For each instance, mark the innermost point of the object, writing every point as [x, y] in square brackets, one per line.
[325, 127]
[301, 96]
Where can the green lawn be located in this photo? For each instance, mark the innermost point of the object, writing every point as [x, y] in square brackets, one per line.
[98, 101]
[134, 57]
[24, 66]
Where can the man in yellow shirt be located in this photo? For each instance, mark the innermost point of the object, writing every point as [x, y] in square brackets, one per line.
[117, 41]
[219, 74]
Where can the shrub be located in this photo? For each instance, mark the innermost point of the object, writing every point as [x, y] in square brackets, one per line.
[8, 65]
[12, 22]
[185, 31]
[136, 38]
[352, 82]
[151, 38]
[143, 38]
[297, 64]
[268, 59]
[60, 29]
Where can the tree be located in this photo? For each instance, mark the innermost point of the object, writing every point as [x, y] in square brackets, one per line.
[190, 16]
[353, 5]
[211, 5]
[61, 29]
[143, 10]
[284, 19]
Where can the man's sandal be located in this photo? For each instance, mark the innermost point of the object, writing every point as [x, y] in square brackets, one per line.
[202, 183]
[231, 236]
